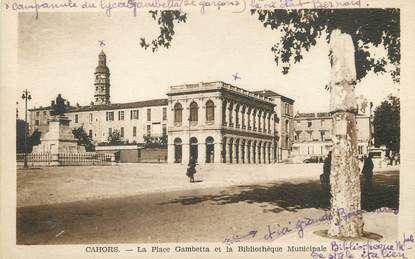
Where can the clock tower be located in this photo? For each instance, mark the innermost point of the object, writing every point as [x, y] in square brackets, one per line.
[102, 80]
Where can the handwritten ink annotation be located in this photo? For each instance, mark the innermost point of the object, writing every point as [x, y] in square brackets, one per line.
[236, 6]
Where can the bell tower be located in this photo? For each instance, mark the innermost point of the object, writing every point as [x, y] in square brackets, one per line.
[102, 80]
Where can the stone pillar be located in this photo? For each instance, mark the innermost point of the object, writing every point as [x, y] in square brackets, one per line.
[217, 153]
[259, 124]
[264, 150]
[242, 155]
[248, 119]
[185, 151]
[259, 153]
[234, 115]
[228, 114]
[218, 112]
[201, 159]
[253, 117]
[235, 158]
[170, 153]
[243, 122]
[253, 153]
[266, 153]
[227, 150]
[265, 130]
[247, 155]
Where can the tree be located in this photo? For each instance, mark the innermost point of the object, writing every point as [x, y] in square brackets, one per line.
[115, 138]
[83, 139]
[20, 135]
[165, 19]
[352, 35]
[387, 124]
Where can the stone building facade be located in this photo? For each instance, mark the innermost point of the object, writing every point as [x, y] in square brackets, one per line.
[284, 109]
[213, 122]
[217, 122]
[312, 134]
[133, 120]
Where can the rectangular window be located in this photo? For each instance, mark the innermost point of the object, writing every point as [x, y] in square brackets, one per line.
[122, 132]
[134, 114]
[148, 130]
[164, 113]
[76, 118]
[148, 114]
[110, 116]
[91, 117]
[37, 114]
[90, 134]
[36, 122]
[164, 130]
[45, 113]
[120, 115]
[109, 131]
[309, 124]
[134, 131]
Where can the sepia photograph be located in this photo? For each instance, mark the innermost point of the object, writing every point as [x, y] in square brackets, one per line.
[209, 132]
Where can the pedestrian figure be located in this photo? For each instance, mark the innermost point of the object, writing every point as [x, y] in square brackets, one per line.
[367, 173]
[191, 169]
[325, 176]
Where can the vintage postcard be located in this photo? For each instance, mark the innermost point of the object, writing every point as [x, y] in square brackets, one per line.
[207, 129]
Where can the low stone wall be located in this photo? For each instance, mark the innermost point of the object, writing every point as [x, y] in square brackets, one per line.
[153, 155]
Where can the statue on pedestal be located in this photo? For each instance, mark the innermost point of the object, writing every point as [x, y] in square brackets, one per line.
[59, 137]
[58, 107]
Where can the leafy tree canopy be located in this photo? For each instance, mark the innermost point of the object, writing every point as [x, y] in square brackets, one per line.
[83, 138]
[367, 27]
[165, 19]
[387, 124]
[115, 138]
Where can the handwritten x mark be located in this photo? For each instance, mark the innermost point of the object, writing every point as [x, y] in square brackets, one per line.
[236, 76]
[101, 43]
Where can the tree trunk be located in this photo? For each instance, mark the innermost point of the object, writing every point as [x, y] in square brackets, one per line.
[344, 178]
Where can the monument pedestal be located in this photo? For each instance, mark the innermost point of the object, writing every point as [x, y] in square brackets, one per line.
[59, 138]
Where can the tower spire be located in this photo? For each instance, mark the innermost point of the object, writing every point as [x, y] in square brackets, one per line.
[102, 80]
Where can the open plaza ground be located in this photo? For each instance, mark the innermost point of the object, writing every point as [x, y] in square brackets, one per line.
[132, 203]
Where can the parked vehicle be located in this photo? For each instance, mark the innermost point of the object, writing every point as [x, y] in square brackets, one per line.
[312, 159]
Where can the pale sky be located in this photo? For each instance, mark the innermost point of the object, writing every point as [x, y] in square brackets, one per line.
[58, 53]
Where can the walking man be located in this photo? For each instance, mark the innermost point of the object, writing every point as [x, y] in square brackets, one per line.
[191, 169]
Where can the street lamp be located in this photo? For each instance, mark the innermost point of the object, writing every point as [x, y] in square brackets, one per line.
[371, 124]
[190, 145]
[26, 97]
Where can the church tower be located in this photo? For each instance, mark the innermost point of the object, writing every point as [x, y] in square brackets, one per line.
[102, 80]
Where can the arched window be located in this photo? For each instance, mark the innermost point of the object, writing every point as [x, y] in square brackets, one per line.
[193, 111]
[210, 111]
[178, 113]
[224, 117]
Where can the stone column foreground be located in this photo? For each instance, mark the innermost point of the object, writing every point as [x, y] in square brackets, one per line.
[344, 177]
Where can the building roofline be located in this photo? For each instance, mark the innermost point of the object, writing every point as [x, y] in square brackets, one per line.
[119, 106]
[213, 86]
[270, 94]
[111, 106]
[319, 115]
